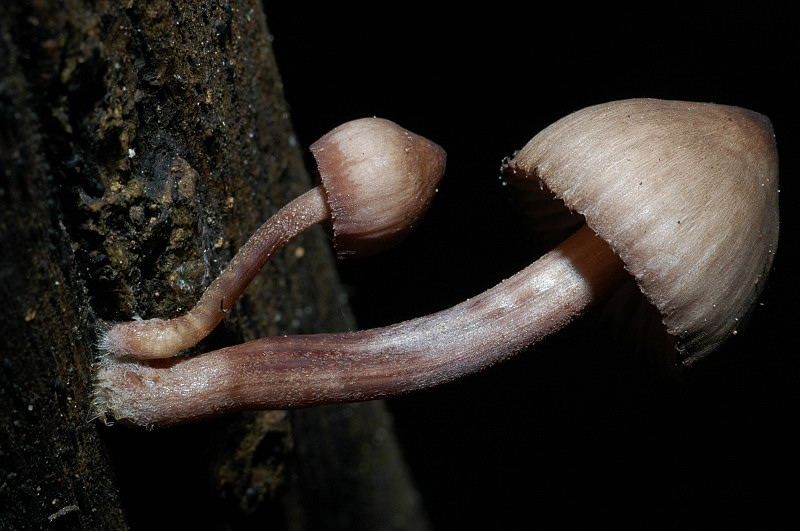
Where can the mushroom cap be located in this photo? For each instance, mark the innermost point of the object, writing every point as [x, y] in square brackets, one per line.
[685, 193]
[379, 179]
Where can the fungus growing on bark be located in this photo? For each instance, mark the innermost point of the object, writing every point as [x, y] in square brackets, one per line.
[680, 196]
[377, 180]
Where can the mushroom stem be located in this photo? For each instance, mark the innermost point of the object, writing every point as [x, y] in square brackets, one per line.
[159, 338]
[299, 371]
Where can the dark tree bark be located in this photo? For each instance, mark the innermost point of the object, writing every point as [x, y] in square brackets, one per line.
[140, 144]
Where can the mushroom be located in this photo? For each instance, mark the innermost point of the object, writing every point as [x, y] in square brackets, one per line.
[681, 197]
[686, 194]
[377, 180]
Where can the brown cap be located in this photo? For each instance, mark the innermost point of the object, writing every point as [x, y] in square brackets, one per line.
[379, 179]
[685, 193]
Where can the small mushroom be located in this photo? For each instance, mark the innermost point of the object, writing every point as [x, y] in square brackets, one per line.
[377, 180]
[680, 196]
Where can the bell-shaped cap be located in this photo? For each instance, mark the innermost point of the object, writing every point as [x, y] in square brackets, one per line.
[685, 193]
[379, 179]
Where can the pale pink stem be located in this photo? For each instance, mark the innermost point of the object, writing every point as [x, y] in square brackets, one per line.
[306, 370]
[158, 338]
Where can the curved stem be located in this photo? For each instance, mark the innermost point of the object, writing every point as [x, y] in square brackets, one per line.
[157, 338]
[300, 371]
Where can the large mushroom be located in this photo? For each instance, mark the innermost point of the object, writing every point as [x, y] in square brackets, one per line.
[686, 194]
[680, 196]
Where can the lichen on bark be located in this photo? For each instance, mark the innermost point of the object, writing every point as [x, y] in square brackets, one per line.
[141, 143]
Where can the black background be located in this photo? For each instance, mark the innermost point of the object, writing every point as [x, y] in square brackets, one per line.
[568, 432]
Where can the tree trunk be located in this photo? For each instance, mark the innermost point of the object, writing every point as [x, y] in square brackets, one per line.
[140, 144]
